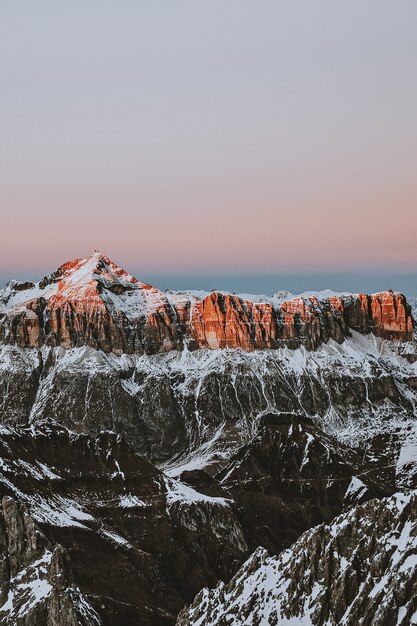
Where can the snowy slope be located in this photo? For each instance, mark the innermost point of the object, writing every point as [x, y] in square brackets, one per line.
[360, 569]
[186, 409]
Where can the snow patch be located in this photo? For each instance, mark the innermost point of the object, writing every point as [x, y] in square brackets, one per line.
[128, 501]
[179, 492]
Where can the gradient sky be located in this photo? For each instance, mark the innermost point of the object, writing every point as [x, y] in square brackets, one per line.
[209, 138]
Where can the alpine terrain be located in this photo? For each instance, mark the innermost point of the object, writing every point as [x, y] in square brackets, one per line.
[205, 459]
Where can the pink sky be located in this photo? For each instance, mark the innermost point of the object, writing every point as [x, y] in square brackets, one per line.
[281, 137]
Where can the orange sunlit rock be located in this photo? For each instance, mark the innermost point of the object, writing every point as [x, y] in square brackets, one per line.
[93, 302]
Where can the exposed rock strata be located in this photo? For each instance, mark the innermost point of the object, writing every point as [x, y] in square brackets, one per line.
[176, 405]
[95, 303]
[97, 351]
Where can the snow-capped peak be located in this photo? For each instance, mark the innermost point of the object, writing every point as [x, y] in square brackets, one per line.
[92, 301]
[92, 280]
[96, 267]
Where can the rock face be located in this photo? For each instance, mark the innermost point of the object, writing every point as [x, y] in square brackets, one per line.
[141, 544]
[92, 302]
[292, 476]
[221, 321]
[88, 302]
[360, 569]
[176, 406]
[265, 418]
[36, 582]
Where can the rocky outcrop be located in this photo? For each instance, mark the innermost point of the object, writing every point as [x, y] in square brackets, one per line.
[141, 544]
[36, 582]
[95, 303]
[174, 406]
[221, 321]
[360, 569]
[88, 302]
[97, 368]
[165, 538]
[292, 476]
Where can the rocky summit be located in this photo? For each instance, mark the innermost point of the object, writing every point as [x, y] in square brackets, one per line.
[205, 459]
[93, 302]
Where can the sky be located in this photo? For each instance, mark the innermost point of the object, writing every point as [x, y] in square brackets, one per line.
[272, 142]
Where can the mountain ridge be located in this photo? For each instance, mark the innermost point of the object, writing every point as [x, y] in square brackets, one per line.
[359, 569]
[96, 303]
[172, 433]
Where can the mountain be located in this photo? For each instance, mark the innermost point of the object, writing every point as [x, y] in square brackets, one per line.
[156, 439]
[94, 349]
[165, 538]
[292, 476]
[129, 530]
[93, 302]
[360, 569]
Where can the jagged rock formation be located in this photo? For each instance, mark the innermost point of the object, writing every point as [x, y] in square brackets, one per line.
[141, 544]
[292, 476]
[138, 371]
[178, 406]
[36, 582]
[93, 302]
[166, 538]
[221, 321]
[360, 569]
[230, 395]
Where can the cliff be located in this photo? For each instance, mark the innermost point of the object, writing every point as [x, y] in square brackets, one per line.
[93, 302]
[359, 569]
[36, 579]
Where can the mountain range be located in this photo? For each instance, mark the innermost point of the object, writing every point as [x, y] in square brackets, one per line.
[205, 458]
